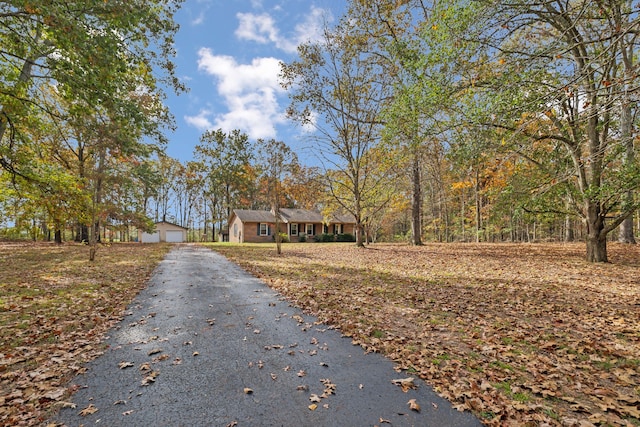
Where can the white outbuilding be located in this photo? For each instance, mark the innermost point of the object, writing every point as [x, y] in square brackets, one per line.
[164, 232]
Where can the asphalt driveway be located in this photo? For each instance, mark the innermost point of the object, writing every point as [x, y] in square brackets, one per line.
[207, 344]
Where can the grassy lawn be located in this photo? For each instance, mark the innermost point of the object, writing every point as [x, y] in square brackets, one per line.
[55, 306]
[521, 334]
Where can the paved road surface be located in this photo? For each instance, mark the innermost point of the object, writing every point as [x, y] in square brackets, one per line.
[207, 331]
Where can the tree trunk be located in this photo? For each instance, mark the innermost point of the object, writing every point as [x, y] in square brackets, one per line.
[568, 229]
[58, 236]
[83, 233]
[478, 207]
[596, 236]
[626, 130]
[359, 234]
[277, 235]
[626, 228]
[416, 203]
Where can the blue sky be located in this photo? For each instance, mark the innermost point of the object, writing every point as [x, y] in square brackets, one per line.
[228, 54]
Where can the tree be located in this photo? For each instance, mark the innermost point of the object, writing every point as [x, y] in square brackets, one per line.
[556, 64]
[389, 26]
[304, 187]
[339, 92]
[94, 53]
[227, 158]
[279, 162]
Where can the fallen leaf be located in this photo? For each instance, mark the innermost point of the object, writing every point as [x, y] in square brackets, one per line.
[195, 353]
[145, 366]
[405, 383]
[123, 365]
[247, 390]
[301, 373]
[274, 376]
[151, 378]
[154, 351]
[129, 412]
[54, 394]
[88, 410]
[314, 398]
[313, 406]
[413, 405]
[160, 358]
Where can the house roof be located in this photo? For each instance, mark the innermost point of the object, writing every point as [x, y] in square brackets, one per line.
[301, 215]
[246, 215]
[342, 219]
[292, 215]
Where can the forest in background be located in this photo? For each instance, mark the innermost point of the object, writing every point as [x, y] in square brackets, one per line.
[445, 121]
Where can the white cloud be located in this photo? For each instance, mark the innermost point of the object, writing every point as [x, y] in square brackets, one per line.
[257, 28]
[263, 29]
[250, 92]
[201, 121]
[198, 19]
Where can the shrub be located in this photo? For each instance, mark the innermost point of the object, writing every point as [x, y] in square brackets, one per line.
[326, 237]
[284, 238]
[302, 238]
[346, 237]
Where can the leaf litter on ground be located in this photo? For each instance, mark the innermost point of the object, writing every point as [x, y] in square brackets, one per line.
[55, 307]
[520, 334]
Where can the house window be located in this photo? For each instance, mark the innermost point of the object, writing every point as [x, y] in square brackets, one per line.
[264, 229]
[235, 230]
[309, 229]
[337, 228]
[294, 229]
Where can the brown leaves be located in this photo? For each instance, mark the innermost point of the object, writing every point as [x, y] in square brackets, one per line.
[150, 378]
[516, 331]
[413, 405]
[91, 409]
[405, 383]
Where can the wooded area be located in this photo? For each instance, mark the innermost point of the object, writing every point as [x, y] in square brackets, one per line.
[445, 121]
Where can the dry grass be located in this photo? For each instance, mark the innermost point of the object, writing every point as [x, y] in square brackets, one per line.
[55, 306]
[521, 334]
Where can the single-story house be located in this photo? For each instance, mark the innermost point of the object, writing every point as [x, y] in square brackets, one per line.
[259, 226]
[164, 232]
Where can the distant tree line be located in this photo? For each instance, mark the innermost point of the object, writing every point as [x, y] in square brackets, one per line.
[431, 121]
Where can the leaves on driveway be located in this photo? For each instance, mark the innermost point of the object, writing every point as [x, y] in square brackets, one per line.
[405, 383]
[55, 307]
[517, 333]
